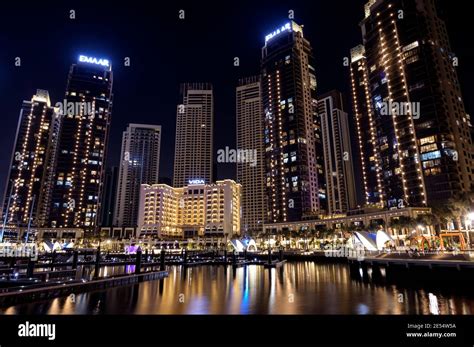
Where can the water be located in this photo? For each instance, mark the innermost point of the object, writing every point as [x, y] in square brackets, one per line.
[297, 288]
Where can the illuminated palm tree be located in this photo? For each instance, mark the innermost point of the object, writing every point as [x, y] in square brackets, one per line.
[442, 215]
[406, 224]
[459, 206]
[286, 236]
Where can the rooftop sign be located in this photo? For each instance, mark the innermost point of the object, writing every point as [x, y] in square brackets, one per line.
[92, 60]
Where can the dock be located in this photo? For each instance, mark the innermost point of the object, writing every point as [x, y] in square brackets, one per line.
[49, 290]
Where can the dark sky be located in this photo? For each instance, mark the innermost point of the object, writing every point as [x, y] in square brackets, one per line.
[166, 51]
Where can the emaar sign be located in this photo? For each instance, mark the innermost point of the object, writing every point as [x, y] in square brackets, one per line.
[92, 60]
[286, 27]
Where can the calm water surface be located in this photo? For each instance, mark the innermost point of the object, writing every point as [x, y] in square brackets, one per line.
[297, 288]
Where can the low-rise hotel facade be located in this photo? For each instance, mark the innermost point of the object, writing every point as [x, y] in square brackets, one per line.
[197, 209]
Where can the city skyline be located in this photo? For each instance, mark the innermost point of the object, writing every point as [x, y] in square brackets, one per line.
[271, 158]
[45, 71]
[312, 206]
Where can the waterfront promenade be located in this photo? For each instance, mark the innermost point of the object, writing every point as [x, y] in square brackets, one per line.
[62, 273]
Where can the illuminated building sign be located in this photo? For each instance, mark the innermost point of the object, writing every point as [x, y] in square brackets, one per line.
[91, 60]
[286, 27]
[196, 182]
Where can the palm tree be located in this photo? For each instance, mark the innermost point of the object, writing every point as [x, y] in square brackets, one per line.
[457, 210]
[348, 230]
[442, 215]
[304, 233]
[344, 229]
[405, 223]
[286, 236]
[281, 236]
[396, 227]
[427, 220]
[459, 206]
[293, 235]
[312, 234]
[265, 235]
[467, 198]
[394, 224]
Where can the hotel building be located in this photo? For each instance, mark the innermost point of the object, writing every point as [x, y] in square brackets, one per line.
[197, 209]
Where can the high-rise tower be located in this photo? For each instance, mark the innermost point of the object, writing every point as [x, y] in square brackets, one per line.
[194, 135]
[293, 148]
[140, 164]
[340, 185]
[419, 129]
[28, 189]
[82, 145]
[251, 175]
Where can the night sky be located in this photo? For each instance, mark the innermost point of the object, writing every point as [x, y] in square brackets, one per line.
[166, 51]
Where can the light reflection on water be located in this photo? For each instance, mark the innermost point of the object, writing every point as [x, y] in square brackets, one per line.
[296, 288]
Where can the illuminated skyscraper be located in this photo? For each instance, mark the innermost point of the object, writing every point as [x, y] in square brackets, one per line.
[140, 164]
[194, 135]
[408, 102]
[27, 190]
[366, 131]
[251, 175]
[340, 185]
[85, 119]
[293, 147]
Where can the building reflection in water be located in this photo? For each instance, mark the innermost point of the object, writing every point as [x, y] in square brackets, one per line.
[297, 288]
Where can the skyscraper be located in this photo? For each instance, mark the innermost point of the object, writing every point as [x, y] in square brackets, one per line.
[109, 196]
[250, 137]
[366, 131]
[340, 184]
[140, 164]
[27, 191]
[86, 117]
[419, 127]
[293, 148]
[194, 135]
